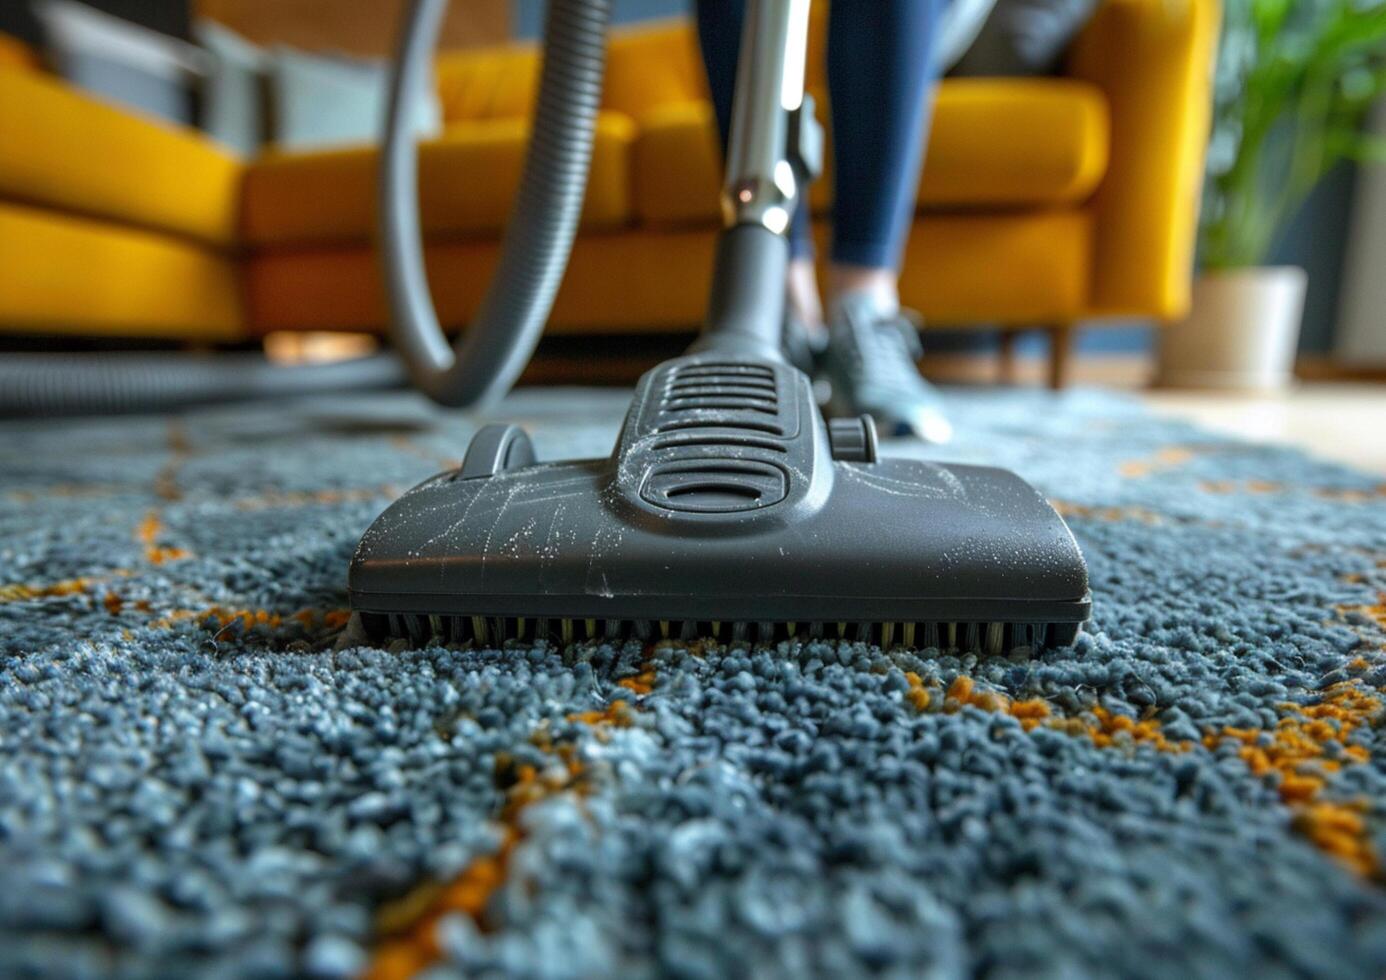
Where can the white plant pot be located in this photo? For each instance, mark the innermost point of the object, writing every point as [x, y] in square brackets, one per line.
[1241, 332]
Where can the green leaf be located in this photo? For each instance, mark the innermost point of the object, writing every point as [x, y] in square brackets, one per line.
[1365, 148]
[1269, 16]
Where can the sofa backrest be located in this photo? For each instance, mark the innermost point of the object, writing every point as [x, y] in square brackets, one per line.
[654, 64]
[659, 63]
[487, 83]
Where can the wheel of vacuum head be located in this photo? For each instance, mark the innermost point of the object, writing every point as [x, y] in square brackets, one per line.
[543, 221]
[496, 448]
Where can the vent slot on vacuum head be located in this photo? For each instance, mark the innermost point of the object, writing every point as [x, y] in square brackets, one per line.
[708, 394]
[696, 441]
[712, 485]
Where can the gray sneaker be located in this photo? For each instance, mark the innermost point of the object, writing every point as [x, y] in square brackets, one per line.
[803, 348]
[870, 364]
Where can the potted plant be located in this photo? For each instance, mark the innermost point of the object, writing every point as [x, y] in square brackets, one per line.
[1295, 79]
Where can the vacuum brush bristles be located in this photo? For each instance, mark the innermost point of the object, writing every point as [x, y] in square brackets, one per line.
[731, 511]
[992, 639]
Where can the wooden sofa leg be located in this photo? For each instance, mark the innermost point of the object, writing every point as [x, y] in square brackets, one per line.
[1005, 356]
[1060, 354]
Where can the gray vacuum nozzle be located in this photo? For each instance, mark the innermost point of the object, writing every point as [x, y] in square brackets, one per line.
[730, 510]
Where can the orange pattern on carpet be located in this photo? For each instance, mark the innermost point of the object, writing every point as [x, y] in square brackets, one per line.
[410, 924]
[19, 592]
[148, 534]
[1166, 458]
[1308, 744]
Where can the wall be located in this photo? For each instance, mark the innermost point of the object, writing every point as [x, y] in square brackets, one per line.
[165, 16]
[1316, 240]
[1362, 339]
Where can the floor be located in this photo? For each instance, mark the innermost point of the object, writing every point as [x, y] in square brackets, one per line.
[1340, 421]
[206, 770]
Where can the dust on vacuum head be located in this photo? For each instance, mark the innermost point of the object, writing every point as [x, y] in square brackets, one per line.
[729, 510]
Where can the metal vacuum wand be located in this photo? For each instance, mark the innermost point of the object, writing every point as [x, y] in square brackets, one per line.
[775, 149]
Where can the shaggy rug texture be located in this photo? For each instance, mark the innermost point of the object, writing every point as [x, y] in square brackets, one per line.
[205, 772]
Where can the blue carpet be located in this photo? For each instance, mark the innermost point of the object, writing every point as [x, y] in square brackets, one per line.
[202, 772]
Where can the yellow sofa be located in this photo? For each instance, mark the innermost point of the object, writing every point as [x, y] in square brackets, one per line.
[1043, 201]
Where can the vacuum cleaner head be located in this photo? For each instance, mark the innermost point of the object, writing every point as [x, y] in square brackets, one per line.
[729, 509]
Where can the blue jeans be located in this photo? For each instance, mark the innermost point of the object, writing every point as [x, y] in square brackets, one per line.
[879, 74]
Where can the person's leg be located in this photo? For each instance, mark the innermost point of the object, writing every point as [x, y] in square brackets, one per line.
[880, 73]
[719, 36]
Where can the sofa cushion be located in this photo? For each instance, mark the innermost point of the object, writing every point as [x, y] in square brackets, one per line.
[316, 101]
[995, 143]
[646, 66]
[487, 83]
[85, 157]
[63, 274]
[1024, 38]
[467, 179]
[653, 65]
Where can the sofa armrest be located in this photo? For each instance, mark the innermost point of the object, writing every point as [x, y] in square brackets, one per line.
[1154, 60]
[76, 154]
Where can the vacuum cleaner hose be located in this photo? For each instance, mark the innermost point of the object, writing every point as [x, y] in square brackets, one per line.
[538, 238]
[112, 384]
